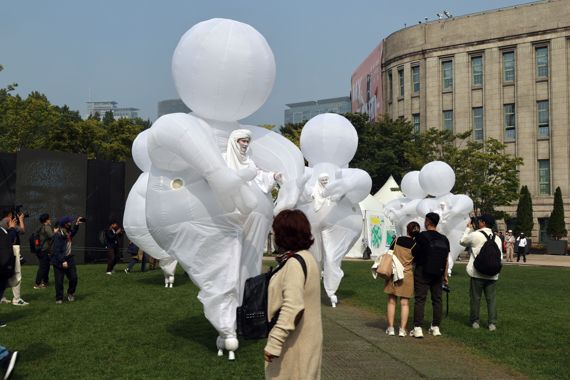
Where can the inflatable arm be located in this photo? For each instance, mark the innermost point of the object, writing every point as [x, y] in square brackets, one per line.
[355, 184]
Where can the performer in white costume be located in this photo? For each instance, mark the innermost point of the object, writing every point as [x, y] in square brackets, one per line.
[200, 211]
[329, 142]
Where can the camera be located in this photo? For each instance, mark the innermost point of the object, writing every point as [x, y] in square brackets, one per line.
[445, 288]
[474, 221]
[17, 210]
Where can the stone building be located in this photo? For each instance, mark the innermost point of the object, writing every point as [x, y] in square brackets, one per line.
[503, 73]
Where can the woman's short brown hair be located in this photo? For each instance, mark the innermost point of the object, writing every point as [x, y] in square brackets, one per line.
[292, 231]
[413, 228]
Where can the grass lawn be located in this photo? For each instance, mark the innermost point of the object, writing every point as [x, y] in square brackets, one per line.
[533, 330]
[120, 327]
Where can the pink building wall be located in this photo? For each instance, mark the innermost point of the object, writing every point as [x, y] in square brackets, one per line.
[366, 85]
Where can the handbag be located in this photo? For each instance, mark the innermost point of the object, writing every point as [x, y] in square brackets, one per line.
[384, 268]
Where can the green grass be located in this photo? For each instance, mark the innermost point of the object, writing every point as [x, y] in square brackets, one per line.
[120, 327]
[533, 334]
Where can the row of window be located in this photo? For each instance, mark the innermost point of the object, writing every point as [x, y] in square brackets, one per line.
[509, 69]
[509, 121]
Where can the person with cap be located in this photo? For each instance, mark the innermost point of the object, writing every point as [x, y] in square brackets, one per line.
[15, 282]
[62, 258]
[113, 243]
[479, 283]
[510, 245]
[45, 233]
[521, 247]
[430, 273]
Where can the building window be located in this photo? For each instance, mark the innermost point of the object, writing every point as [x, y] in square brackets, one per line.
[544, 177]
[510, 120]
[477, 123]
[401, 81]
[477, 71]
[448, 121]
[509, 66]
[416, 122]
[390, 86]
[542, 230]
[541, 62]
[447, 75]
[543, 118]
[415, 79]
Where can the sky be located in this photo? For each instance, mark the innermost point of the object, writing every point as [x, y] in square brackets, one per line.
[75, 51]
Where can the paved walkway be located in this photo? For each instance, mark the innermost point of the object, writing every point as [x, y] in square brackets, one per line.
[356, 347]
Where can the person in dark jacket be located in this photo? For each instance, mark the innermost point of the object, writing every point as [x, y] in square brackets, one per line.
[46, 238]
[430, 273]
[7, 258]
[62, 259]
[112, 235]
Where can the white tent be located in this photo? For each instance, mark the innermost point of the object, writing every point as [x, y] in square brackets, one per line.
[376, 202]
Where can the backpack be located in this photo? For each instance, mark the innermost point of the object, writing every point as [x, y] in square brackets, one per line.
[488, 261]
[251, 316]
[35, 242]
[103, 238]
[437, 255]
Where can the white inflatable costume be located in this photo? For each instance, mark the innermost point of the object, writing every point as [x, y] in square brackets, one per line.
[331, 195]
[200, 211]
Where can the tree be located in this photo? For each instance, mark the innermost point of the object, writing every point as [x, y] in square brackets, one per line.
[556, 224]
[292, 132]
[525, 221]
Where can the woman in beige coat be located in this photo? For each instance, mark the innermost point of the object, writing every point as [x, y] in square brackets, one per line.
[294, 345]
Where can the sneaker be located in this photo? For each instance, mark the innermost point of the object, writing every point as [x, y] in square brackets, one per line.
[2, 324]
[402, 333]
[109, 273]
[8, 363]
[492, 327]
[434, 330]
[4, 300]
[58, 302]
[127, 270]
[390, 331]
[20, 302]
[417, 332]
[475, 325]
[38, 286]
[70, 297]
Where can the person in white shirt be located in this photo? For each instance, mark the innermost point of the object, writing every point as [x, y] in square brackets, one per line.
[480, 283]
[521, 247]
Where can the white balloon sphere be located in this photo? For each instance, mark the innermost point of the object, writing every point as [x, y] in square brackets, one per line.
[437, 178]
[140, 151]
[411, 186]
[223, 69]
[329, 138]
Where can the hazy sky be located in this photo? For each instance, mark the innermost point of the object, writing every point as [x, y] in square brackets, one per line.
[76, 50]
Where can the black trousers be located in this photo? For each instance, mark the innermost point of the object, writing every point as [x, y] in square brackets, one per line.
[113, 258]
[70, 273]
[42, 275]
[521, 251]
[422, 283]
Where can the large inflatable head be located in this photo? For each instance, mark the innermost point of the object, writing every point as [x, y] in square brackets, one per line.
[329, 138]
[410, 186]
[140, 151]
[223, 69]
[437, 178]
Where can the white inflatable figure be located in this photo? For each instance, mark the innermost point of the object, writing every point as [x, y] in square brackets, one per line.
[403, 210]
[437, 178]
[199, 210]
[329, 142]
[134, 219]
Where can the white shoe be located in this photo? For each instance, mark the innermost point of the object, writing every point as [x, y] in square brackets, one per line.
[109, 273]
[434, 330]
[475, 325]
[4, 300]
[417, 332]
[492, 327]
[334, 300]
[19, 302]
[402, 332]
[390, 331]
[166, 284]
[170, 285]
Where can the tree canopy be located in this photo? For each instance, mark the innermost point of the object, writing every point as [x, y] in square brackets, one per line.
[35, 123]
[556, 224]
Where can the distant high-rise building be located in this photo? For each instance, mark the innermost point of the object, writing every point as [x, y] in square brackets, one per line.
[101, 108]
[303, 111]
[172, 106]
